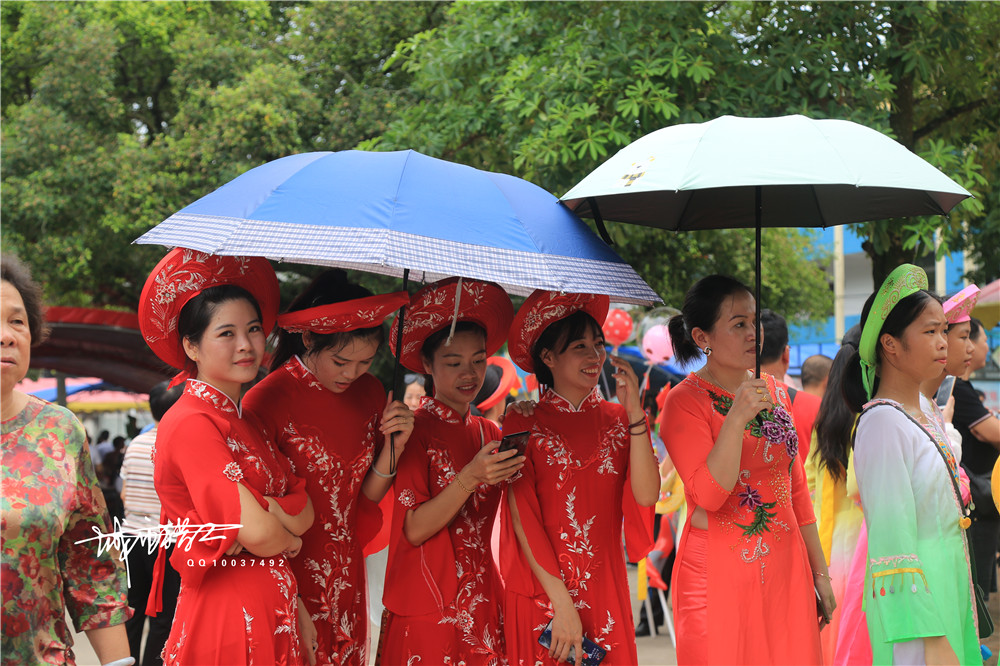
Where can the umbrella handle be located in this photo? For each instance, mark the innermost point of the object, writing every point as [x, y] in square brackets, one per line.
[397, 378]
[758, 215]
[599, 221]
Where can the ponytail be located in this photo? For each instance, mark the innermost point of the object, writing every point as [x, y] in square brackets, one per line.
[684, 347]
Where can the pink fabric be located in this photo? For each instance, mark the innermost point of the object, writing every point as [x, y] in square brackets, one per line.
[853, 645]
[963, 484]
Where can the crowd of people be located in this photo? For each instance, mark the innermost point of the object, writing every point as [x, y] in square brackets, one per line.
[847, 521]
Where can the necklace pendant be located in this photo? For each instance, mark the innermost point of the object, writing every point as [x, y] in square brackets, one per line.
[964, 522]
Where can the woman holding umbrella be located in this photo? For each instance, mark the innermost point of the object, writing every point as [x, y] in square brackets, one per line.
[918, 584]
[330, 416]
[590, 466]
[216, 473]
[750, 554]
[442, 589]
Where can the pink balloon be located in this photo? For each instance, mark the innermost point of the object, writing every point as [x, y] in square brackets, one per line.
[617, 327]
[656, 345]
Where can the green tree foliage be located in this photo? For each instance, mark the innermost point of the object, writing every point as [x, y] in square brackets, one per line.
[115, 115]
[341, 49]
[549, 90]
[94, 131]
[925, 73]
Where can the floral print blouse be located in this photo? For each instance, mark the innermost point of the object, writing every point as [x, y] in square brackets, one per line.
[50, 501]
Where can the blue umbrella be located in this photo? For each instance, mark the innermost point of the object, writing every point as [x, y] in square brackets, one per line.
[391, 212]
[400, 212]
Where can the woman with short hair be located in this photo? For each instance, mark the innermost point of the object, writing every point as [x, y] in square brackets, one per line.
[52, 507]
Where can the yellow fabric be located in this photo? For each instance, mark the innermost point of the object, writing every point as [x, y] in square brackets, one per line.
[823, 490]
[671, 494]
[86, 407]
[642, 592]
[995, 484]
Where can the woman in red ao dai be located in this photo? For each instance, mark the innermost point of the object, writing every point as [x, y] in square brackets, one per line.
[330, 416]
[442, 588]
[238, 599]
[590, 470]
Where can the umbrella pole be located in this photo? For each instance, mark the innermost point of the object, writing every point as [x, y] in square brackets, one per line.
[758, 214]
[604, 378]
[396, 374]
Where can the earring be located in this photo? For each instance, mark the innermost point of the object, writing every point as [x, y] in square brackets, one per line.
[708, 351]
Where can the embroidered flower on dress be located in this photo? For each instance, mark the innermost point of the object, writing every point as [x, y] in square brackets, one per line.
[465, 622]
[776, 426]
[407, 498]
[233, 472]
[750, 498]
[783, 417]
[773, 431]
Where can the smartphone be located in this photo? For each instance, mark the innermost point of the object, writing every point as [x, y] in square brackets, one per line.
[944, 391]
[820, 608]
[593, 654]
[515, 440]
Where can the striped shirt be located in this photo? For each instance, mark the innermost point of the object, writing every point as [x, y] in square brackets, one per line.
[142, 506]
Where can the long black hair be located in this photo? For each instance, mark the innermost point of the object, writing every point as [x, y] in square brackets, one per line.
[835, 419]
[902, 315]
[328, 287]
[702, 304]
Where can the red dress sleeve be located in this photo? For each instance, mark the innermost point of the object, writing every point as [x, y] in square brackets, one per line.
[295, 497]
[419, 579]
[638, 519]
[514, 566]
[802, 504]
[689, 439]
[801, 501]
[375, 518]
[200, 473]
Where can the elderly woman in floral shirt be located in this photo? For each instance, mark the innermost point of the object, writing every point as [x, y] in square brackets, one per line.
[50, 503]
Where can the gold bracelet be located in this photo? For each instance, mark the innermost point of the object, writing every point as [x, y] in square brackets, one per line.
[462, 485]
[820, 573]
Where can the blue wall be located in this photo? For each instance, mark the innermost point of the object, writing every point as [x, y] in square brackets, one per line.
[807, 340]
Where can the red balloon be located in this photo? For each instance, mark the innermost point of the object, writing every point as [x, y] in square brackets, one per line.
[617, 327]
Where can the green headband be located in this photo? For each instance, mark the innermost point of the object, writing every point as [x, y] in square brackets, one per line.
[905, 281]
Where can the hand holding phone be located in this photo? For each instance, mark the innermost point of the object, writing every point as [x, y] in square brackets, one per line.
[515, 440]
[593, 654]
[821, 609]
[944, 391]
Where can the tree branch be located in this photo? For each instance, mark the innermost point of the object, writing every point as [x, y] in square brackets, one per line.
[949, 115]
